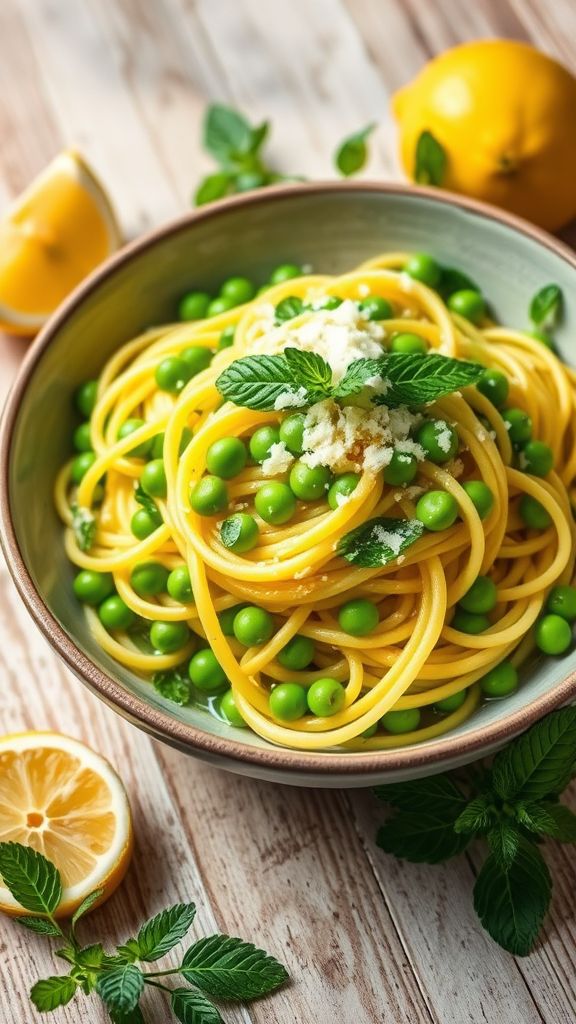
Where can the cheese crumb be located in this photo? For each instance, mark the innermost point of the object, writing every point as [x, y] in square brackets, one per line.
[278, 460]
[443, 436]
[350, 438]
[291, 399]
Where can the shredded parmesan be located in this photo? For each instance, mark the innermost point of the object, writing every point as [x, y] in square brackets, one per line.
[278, 460]
[351, 438]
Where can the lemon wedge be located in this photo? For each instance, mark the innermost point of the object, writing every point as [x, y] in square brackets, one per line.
[64, 800]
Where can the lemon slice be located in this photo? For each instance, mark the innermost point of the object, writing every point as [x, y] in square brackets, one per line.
[68, 803]
[54, 234]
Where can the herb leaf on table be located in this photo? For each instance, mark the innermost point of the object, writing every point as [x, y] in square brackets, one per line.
[352, 152]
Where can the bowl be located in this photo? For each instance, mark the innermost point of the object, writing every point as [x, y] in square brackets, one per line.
[332, 226]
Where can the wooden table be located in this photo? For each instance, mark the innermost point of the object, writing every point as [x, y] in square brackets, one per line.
[366, 939]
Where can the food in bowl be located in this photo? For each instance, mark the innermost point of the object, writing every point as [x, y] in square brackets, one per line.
[336, 512]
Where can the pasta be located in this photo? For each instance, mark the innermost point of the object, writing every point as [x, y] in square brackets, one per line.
[402, 650]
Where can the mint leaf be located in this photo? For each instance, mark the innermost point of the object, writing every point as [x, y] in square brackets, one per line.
[83, 527]
[87, 903]
[352, 153]
[257, 382]
[213, 187]
[128, 952]
[121, 987]
[512, 902]
[477, 816]
[504, 840]
[288, 308]
[173, 685]
[226, 133]
[50, 993]
[430, 160]
[127, 1017]
[164, 931]
[310, 371]
[230, 530]
[419, 379]
[539, 762]
[356, 375]
[422, 838]
[258, 136]
[91, 957]
[379, 541]
[536, 818]
[228, 968]
[40, 925]
[564, 823]
[546, 306]
[193, 1008]
[147, 503]
[420, 794]
[33, 881]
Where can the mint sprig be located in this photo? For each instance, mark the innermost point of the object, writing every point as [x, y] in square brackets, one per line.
[511, 805]
[379, 541]
[219, 965]
[352, 152]
[546, 306]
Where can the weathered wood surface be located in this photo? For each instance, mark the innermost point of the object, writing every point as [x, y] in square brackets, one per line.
[366, 939]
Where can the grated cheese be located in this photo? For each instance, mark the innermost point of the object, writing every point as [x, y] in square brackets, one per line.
[350, 438]
[291, 399]
[278, 460]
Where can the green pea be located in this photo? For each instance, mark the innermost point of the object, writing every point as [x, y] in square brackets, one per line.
[179, 586]
[291, 433]
[480, 495]
[297, 654]
[226, 457]
[239, 533]
[481, 596]
[172, 374]
[149, 578]
[308, 483]
[469, 304]
[562, 601]
[537, 458]
[370, 731]
[253, 626]
[493, 384]
[209, 496]
[153, 479]
[288, 702]
[450, 704]
[410, 344]
[238, 289]
[169, 637]
[326, 697]
[533, 514]
[114, 613]
[500, 680]
[220, 305]
[398, 722]
[553, 634]
[197, 358]
[206, 672]
[142, 450]
[423, 267]
[342, 488]
[93, 587]
[143, 523]
[468, 622]
[438, 439]
[262, 441]
[85, 398]
[275, 503]
[438, 510]
[375, 308]
[226, 619]
[518, 424]
[401, 469]
[285, 272]
[226, 339]
[358, 617]
[194, 306]
[230, 712]
[81, 438]
[80, 466]
[157, 451]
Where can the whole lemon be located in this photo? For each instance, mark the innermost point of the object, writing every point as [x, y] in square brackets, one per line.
[505, 115]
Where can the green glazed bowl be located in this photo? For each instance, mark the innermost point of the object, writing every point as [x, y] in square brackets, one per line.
[333, 227]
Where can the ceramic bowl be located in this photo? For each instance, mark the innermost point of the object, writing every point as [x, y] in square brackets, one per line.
[332, 226]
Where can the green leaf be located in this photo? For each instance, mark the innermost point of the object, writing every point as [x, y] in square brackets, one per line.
[478, 815]
[512, 902]
[91, 957]
[416, 795]
[228, 968]
[379, 541]
[454, 280]
[40, 925]
[422, 837]
[128, 952]
[67, 953]
[147, 503]
[173, 685]
[83, 527]
[310, 371]
[50, 993]
[134, 1016]
[230, 530]
[504, 840]
[288, 308]
[193, 1008]
[540, 762]
[258, 382]
[546, 306]
[564, 822]
[164, 931]
[121, 987]
[430, 160]
[226, 132]
[418, 379]
[87, 903]
[536, 818]
[32, 879]
[355, 377]
[352, 153]
[213, 187]
[258, 136]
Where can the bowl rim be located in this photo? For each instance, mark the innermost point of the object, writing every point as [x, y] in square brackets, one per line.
[160, 724]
